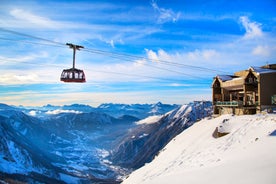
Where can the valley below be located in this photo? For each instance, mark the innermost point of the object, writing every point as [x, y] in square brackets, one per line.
[82, 144]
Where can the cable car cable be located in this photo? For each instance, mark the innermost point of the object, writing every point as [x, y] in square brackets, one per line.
[31, 36]
[153, 60]
[29, 42]
[114, 56]
[123, 55]
[101, 71]
[160, 68]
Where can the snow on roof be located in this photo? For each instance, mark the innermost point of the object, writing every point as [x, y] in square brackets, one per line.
[225, 77]
[261, 70]
[258, 70]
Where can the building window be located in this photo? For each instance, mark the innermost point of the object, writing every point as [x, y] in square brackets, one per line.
[273, 99]
[250, 80]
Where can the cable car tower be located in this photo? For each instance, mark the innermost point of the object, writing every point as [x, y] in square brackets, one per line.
[73, 74]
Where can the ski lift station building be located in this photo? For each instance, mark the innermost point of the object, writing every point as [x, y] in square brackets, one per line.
[246, 92]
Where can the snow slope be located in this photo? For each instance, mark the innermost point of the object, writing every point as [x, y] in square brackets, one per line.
[246, 155]
[143, 142]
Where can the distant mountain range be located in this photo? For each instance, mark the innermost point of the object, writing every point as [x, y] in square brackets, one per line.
[79, 144]
[139, 111]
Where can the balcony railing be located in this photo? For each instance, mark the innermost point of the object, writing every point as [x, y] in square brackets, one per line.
[235, 104]
[229, 103]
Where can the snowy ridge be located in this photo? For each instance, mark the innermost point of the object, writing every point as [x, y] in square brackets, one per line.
[149, 120]
[18, 155]
[246, 155]
[143, 142]
[140, 111]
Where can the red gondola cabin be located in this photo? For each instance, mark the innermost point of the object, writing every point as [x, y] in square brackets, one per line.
[72, 75]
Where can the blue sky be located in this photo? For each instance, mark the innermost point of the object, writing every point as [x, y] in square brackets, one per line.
[135, 51]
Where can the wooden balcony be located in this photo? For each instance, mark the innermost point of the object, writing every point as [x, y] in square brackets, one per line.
[229, 104]
[235, 104]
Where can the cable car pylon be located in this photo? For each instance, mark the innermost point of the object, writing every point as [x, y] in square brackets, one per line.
[73, 74]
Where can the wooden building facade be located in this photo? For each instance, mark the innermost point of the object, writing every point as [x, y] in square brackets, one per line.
[246, 92]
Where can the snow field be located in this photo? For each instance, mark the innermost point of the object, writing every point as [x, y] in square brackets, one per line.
[246, 155]
[149, 120]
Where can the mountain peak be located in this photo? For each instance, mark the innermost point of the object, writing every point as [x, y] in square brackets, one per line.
[158, 104]
[5, 106]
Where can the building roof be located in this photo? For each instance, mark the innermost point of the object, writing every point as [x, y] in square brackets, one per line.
[224, 78]
[239, 76]
[261, 70]
[233, 84]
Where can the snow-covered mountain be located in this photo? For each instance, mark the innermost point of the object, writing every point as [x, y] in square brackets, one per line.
[246, 155]
[64, 147]
[21, 148]
[141, 144]
[71, 144]
[140, 111]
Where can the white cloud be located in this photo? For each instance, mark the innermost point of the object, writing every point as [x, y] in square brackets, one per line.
[261, 51]
[164, 55]
[30, 76]
[18, 79]
[34, 19]
[30, 98]
[179, 85]
[112, 43]
[58, 111]
[196, 55]
[152, 55]
[209, 54]
[253, 29]
[165, 15]
[140, 62]
[32, 113]
[24, 57]
[203, 54]
[158, 56]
